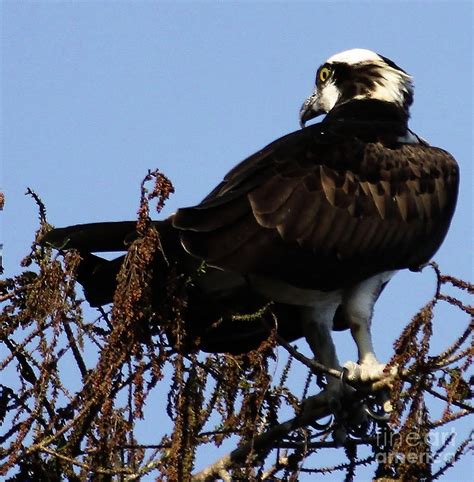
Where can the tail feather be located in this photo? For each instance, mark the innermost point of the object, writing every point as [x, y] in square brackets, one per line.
[97, 237]
[213, 297]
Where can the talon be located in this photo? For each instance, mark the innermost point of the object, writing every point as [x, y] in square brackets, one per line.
[379, 406]
[322, 426]
[385, 417]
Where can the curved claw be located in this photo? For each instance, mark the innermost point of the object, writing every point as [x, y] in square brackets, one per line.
[379, 417]
[322, 426]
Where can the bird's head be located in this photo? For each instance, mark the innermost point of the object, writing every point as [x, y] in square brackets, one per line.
[354, 75]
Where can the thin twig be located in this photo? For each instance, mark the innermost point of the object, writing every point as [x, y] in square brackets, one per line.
[75, 350]
[319, 408]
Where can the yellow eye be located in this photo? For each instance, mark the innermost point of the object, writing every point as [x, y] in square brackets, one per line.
[324, 74]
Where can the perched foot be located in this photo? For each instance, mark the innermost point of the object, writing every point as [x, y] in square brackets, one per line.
[347, 412]
[332, 396]
[369, 372]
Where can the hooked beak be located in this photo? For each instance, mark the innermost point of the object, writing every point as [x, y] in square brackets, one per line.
[310, 109]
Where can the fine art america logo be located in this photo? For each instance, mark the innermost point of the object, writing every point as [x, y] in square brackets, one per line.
[442, 443]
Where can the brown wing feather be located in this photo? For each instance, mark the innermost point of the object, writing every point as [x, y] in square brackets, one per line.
[326, 214]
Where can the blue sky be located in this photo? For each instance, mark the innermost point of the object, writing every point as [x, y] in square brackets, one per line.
[96, 93]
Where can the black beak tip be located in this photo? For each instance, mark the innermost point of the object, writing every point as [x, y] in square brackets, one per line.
[306, 114]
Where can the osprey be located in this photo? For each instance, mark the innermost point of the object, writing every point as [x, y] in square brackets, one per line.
[317, 222]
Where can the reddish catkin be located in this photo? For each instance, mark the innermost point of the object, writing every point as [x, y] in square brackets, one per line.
[78, 385]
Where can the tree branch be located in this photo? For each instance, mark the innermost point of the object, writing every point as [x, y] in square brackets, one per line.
[317, 408]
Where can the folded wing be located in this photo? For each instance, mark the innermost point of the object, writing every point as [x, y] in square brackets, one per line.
[323, 211]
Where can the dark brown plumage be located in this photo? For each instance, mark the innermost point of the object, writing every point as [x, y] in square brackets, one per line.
[316, 222]
[329, 205]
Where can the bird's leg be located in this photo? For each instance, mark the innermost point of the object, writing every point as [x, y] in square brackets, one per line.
[358, 306]
[317, 326]
[368, 369]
